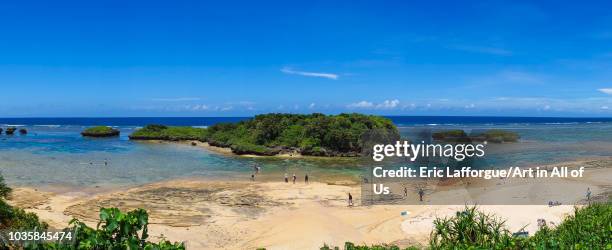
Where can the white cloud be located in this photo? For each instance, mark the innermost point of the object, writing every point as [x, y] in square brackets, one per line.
[361, 104]
[387, 104]
[290, 71]
[312, 105]
[470, 106]
[606, 91]
[197, 107]
[176, 99]
[604, 107]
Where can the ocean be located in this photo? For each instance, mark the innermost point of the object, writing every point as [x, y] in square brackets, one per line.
[206, 121]
[53, 154]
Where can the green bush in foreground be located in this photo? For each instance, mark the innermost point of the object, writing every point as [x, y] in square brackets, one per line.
[470, 228]
[116, 230]
[351, 246]
[15, 219]
[589, 227]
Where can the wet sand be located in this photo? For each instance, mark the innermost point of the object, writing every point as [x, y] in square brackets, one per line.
[246, 215]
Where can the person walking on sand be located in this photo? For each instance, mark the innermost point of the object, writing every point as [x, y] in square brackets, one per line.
[350, 200]
[286, 178]
[294, 178]
[421, 193]
[588, 195]
[405, 191]
[306, 178]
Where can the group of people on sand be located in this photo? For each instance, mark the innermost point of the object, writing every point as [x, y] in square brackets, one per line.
[257, 170]
[294, 178]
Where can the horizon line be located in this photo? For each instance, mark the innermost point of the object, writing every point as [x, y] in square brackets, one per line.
[466, 116]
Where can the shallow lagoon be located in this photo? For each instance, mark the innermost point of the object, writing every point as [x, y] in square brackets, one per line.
[56, 155]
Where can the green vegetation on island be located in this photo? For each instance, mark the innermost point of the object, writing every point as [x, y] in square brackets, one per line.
[491, 135]
[100, 131]
[271, 134]
[167, 133]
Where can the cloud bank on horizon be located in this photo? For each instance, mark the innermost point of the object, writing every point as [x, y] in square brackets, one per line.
[527, 58]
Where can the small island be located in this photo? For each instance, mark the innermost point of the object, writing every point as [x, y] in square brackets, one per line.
[10, 130]
[293, 134]
[492, 135]
[100, 131]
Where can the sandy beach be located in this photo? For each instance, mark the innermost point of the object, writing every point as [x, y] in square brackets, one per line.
[276, 215]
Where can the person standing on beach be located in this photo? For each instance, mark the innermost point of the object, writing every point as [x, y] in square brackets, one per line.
[252, 177]
[286, 178]
[350, 200]
[588, 195]
[421, 193]
[294, 178]
[306, 178]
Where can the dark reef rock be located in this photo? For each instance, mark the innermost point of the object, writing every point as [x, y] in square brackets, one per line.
[10, 131]
[23, 131]
[492, 135]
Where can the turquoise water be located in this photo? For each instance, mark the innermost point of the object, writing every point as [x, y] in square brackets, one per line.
[58, 156]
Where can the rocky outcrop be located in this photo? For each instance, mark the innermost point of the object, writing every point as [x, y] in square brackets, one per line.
[23, 131]
[492, 135]
[10, 130]
[100, 131]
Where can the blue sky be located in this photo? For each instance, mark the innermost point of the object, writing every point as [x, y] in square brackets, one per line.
[235, 58]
